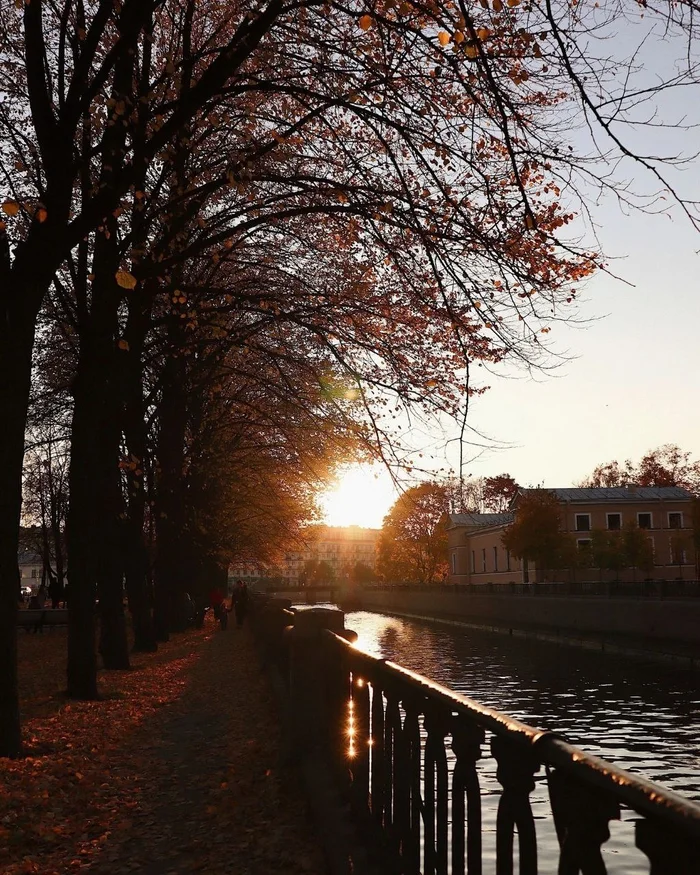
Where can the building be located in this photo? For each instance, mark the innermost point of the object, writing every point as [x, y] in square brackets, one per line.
[477, 553]
[30, 568]
[342, 547]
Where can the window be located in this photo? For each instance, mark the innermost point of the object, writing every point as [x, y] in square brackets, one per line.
[483, 559]
[584, 543]
[644, 521]
[677, 554]
[495, 558]
[507, 560]
[473, 562]
[583, 522]
[35, 572]
[675, 520]
[614, 521]
[454, 563]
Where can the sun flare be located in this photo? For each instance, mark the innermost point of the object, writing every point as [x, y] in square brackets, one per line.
[361, 497]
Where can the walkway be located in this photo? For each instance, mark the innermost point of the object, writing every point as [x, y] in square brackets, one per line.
[215, 797]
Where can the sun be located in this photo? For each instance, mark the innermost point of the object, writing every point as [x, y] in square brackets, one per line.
[361, 497]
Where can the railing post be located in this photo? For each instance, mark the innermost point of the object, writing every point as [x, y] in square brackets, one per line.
[467, 738]
[668, 853]
[517, 767]
[581, 817]
[435, 801]
[313, 701]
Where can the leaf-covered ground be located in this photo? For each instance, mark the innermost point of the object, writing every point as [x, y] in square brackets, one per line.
[176, 769]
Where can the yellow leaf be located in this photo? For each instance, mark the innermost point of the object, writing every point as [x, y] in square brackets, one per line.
[459, 37]
[477, 304]
[471, 51]
[123, 344]
[365, 22]
[125, 280]
[443, 38]
[10, 208]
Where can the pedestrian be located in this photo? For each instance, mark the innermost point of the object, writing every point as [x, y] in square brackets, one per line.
[216, 603]
[55, 592]
[41, 597]
[240, 601]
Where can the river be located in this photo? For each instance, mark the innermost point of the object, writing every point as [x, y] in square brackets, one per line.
[642, 716]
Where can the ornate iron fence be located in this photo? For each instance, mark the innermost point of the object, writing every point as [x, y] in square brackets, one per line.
[432, 820]
[410, 749]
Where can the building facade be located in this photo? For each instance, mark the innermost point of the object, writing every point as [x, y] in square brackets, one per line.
[477, 553]
[31, 568]
[341, 547]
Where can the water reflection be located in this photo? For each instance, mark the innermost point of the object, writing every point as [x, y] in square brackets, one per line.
[643, 716]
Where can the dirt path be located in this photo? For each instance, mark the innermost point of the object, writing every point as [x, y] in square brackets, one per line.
[209, 792]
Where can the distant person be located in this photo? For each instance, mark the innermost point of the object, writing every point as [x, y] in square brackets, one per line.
[240, 601]
[56, 593]
[216, 603]
[41, 597]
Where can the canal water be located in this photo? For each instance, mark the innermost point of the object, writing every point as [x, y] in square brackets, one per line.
[642, 716]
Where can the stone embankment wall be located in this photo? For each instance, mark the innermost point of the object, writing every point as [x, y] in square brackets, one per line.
[675, 620]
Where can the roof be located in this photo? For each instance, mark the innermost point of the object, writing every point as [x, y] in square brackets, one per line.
[480, 520]
[619, 494]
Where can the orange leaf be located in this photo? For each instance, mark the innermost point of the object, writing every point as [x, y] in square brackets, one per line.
[10, 207]
[365, 22]
[40, 215]
[443, 38]
[123, 344]
[125, 280]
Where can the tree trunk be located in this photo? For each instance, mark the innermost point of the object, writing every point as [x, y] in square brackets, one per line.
[82, 535]
[137, 583]
[94, 548]
[170, 581]
[21, 292]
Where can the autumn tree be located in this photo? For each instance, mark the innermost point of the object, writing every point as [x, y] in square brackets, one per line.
[498, 493]
[412, 545]
[535, 535]
[422, 135]
[637, 548]
[667, 465]
[362, 574]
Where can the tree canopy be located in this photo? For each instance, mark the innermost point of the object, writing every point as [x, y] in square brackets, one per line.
[247, 241]
[667, 465]
[412, 546]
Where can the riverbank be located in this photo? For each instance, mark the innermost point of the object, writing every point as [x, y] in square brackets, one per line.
[177, 769]
[664, 630]
[663, 652]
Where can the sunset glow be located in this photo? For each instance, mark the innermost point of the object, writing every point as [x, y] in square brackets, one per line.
[362, 497]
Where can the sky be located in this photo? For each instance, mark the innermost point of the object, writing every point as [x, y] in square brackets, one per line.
[631, 384]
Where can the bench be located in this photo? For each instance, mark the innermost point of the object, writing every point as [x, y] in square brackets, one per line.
[35, 619]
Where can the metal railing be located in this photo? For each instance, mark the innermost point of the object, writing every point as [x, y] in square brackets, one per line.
[411, 749]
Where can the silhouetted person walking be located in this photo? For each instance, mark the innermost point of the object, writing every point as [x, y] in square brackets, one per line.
[240, 601]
